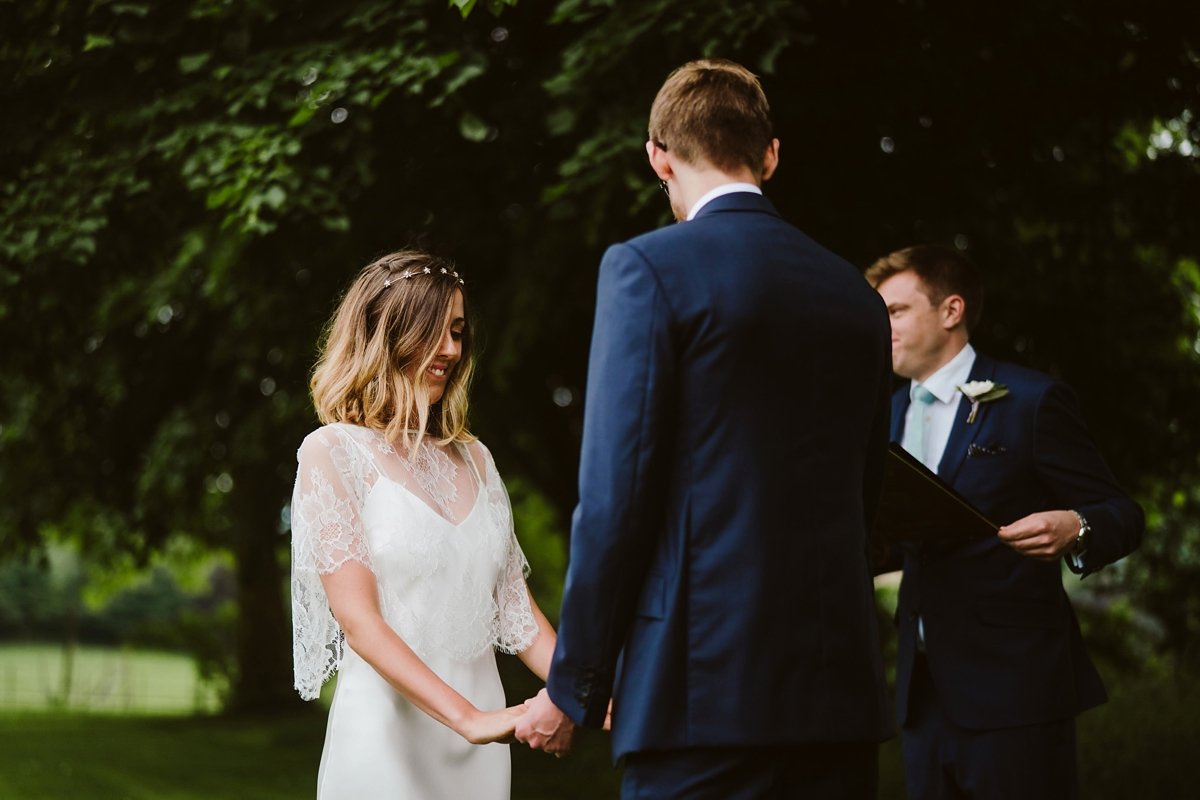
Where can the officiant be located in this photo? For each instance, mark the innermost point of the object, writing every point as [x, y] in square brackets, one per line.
[991, 667]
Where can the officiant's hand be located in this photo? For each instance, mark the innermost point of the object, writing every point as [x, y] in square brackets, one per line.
[545, 727]
[1045, 535]
[485, 727]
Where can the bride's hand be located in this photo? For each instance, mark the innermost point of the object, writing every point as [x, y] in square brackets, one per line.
[485, 727]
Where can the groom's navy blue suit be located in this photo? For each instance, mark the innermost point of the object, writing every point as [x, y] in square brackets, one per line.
[1002, 647]
[736, 420]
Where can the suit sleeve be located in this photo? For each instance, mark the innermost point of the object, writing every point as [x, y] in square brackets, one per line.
[882, 555]
[630, 374]
[1077, 478]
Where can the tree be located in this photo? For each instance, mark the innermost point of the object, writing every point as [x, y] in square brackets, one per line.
[1058, 146]
[177, 204]
[190, 185]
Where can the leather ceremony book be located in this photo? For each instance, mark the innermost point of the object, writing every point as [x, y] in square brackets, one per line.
[915, 505]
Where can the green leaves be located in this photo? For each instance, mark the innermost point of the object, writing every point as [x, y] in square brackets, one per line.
[193, 63]
[193, 184]
[465, 7]
[472, 128]
[96, 41]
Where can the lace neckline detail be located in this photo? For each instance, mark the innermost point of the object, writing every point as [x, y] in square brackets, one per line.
[435, 473]
[431, 473]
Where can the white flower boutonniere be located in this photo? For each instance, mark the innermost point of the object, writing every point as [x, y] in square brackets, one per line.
[981, 392]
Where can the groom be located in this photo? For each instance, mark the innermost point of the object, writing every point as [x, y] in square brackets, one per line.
[734, 435]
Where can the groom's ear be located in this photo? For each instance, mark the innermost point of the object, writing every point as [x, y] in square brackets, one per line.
[659, 161]
[770, 160]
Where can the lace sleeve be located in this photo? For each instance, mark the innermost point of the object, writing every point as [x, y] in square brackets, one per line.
[326, 533]
[515, 628]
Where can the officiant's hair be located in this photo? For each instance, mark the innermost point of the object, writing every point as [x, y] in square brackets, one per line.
[943, 270]
[387, 329]
[713, 110]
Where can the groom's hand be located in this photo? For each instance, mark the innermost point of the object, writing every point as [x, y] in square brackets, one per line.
[545, 727]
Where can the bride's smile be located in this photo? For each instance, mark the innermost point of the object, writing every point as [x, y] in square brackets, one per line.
[449, 353]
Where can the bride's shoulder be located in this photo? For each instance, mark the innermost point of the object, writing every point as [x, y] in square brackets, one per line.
[333, 436]
[480, 454]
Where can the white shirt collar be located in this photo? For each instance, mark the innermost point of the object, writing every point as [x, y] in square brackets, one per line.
[714, 193]
[944, 383]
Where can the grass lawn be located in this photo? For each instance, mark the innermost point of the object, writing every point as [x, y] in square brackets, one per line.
[103, 680]
[49, 756]
[47, 753]
[103, 757]
[1138, 745]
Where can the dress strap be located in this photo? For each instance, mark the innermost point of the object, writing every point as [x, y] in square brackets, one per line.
[469, 457]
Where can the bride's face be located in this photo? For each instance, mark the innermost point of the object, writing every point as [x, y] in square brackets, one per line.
[449, 350]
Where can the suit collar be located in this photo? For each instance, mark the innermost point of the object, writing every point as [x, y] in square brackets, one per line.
[962, 434]
[719, 191]
[942, 386]
[737, 201]
[945, 382]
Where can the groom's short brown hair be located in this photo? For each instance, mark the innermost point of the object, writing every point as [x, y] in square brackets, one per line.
[714, 111]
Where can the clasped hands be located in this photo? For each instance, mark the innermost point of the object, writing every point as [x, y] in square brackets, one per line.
[537, 722]
[544, 726]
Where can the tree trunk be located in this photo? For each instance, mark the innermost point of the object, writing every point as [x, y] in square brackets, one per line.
[263, 682]
[70, 645]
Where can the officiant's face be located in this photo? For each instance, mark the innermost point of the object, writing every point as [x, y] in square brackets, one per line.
[920, 339]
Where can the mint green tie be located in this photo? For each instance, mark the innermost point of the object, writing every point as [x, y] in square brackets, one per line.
[914, 432]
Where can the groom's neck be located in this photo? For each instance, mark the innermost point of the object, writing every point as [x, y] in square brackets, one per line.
[696, 181]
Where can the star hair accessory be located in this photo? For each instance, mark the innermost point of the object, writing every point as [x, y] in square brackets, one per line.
[408, 275]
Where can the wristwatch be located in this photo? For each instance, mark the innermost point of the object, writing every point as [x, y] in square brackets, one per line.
[1079, 546]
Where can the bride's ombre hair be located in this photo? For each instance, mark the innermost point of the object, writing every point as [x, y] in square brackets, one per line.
[376, 350]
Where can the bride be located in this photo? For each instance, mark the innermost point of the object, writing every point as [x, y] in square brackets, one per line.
[406, 573]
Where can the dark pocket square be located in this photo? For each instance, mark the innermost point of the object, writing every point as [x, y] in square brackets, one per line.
[985, 450]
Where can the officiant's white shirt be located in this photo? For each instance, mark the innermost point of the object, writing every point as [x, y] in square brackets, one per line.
[939, 415]
[714, 193]
[939, 418]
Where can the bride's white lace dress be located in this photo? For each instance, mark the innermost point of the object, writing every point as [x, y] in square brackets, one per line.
[437, 533]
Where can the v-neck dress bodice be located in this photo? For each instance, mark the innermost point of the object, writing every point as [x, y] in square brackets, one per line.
[438, 537]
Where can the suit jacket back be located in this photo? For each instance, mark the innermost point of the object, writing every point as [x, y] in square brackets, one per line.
[736, 421]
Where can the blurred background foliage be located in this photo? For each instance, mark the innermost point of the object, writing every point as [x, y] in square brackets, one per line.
[186, 188]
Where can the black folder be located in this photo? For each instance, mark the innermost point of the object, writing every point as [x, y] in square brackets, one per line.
[918, 506]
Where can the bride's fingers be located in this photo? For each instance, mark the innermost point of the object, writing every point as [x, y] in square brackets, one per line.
[498, 726]
[505, 737]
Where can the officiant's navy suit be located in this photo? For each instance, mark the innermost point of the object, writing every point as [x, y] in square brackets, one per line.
[1001, 643]
[736, 422]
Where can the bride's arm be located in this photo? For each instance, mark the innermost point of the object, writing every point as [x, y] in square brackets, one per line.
[537, 656]
[354, 600]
